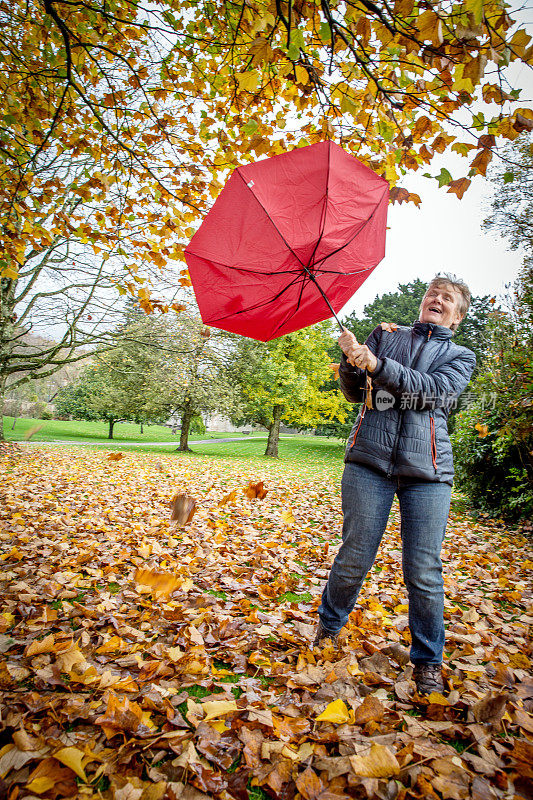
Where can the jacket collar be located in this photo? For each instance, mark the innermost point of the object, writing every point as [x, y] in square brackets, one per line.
[429, 330]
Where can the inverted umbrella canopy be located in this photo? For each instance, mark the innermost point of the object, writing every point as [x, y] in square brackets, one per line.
[284, 234]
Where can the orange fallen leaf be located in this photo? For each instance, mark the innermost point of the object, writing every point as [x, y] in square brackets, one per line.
[125, 715]
[228, 498]
[255, 491]
[379, 763]
[45, 645]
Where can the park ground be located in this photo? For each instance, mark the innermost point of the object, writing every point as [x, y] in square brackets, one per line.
[142, 659]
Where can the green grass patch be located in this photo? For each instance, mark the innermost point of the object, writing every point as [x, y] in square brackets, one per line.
[300, 456]
[218, 664]
[87, 432]
[229, 679]
[292, 597]
[256, 793]
[235, 766]
[457, 745]
[216, 593]
[197, 691]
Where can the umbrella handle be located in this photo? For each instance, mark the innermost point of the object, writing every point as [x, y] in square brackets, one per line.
[320, 289]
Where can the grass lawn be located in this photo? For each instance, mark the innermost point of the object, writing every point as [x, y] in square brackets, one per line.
[77, 430]
[299, 455]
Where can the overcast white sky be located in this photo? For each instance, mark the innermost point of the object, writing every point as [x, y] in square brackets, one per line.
[445, 234]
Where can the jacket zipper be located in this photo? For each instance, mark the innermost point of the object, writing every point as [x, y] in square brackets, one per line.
[401, 413]
[433, 441]
[363, 412]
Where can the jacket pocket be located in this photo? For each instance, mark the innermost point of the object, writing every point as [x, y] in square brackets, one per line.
[433, 441]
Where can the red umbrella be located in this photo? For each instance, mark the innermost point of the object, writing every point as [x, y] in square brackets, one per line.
[288, 241]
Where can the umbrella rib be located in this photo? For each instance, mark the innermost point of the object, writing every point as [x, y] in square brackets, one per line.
[344, 246]
[258, 305]
[311, 262]
[292, 311]
[245, 269]
[270, 218]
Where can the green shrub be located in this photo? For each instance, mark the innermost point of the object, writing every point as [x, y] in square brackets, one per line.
[493, 436]
[197, 425]
[491, 468]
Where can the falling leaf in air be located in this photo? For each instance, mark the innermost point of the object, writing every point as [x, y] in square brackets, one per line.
[183, 508]
[161, 583]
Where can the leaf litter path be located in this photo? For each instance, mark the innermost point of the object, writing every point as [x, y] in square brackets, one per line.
[142, 662]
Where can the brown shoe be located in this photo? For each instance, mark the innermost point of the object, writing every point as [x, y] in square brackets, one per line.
[322, 634]
[428, 678]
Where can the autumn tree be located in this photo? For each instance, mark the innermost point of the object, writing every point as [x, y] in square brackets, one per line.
[167, 98]
[121, 384]
[511, 214]
[195, 379]
[88, 176]
[280, 382]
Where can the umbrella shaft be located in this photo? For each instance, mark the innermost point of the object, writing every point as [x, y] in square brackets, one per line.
[318, 286]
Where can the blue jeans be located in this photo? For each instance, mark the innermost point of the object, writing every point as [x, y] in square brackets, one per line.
[367, 497]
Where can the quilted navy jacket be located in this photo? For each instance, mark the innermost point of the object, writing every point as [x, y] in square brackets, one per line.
[419, 376]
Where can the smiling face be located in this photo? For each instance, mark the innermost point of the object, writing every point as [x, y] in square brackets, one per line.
[441, 306]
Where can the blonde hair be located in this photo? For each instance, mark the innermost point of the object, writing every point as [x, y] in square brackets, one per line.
[465, 296]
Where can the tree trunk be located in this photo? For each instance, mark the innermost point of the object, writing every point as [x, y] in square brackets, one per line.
[142, 429]
[273, 433]
[14, 421]
[185, 425]
[7, 333]
[112, 421]
[2, 394]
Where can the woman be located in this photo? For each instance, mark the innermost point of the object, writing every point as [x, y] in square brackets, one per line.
[400, 445]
